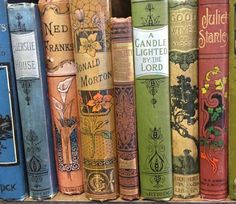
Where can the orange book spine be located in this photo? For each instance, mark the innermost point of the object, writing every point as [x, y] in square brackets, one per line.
[61, 71]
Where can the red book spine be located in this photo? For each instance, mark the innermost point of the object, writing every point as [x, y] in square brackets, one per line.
[213, 89]
[123, 73]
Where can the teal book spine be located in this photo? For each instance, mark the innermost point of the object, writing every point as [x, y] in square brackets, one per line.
[151, 57]
[13, 184]
[30, 68]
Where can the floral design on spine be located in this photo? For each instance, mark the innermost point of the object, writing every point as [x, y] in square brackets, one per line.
[156, 161]
[35, 164]
[67, 123]
[98, 39]
[99, 101]
[91, 33]
[90, 45]
[26, 86]
[214, 92]
[99, 104]
[152, 86]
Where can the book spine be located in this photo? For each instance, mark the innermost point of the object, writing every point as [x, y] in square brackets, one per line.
[64, 108]
[184, 96]
[213, 97]
[123, 74]
[56, 30]
[90, 21]
[151, 57]
[232, 99]
[30, 68]
[61, 71]
[12, 165]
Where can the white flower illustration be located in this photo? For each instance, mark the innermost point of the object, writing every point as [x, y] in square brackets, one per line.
[63, 88]
[59, 107]
[79, 14]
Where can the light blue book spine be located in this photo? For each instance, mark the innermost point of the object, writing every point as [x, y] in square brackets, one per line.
[12, 170]
[30, 68]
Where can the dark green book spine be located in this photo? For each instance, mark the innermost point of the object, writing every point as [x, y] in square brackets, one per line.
[232, 100]
[151, 56]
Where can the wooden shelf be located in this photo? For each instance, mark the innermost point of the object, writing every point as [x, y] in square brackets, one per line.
[61, 198]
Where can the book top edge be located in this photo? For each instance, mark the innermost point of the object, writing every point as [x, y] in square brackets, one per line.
[121, 20]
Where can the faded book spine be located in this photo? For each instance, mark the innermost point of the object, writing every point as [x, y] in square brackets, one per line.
[184, 96]
[61, 71]
[213, 98]
[13, 184]
[30, 68]
[56, 30]
[232, 99]
[64, 109]
[125, 111]
[90, 21]
[151, 57]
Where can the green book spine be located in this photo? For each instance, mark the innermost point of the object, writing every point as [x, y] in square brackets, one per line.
[151, 56]
[232, 99]
[184, 96]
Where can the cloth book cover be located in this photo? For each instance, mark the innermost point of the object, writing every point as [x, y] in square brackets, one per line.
[90, 20]
[125, 110]
[151, 57]
[64, 108]
[213, 98]
[13, 183]
[184, 95]
[30, 69]
[61, 72]
[232, 99]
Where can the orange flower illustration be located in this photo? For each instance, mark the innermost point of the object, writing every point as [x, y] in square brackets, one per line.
[99, 101]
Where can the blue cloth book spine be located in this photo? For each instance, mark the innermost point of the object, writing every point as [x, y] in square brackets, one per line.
[12, 169]
[30, 68]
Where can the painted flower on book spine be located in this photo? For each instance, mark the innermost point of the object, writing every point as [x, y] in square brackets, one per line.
[79, 14]
[66, 130]
[214, 92]
[100, 104]
[89, 45]
[63, 88]
[99, 101]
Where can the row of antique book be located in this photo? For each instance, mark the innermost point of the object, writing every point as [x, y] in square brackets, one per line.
[136, 107]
